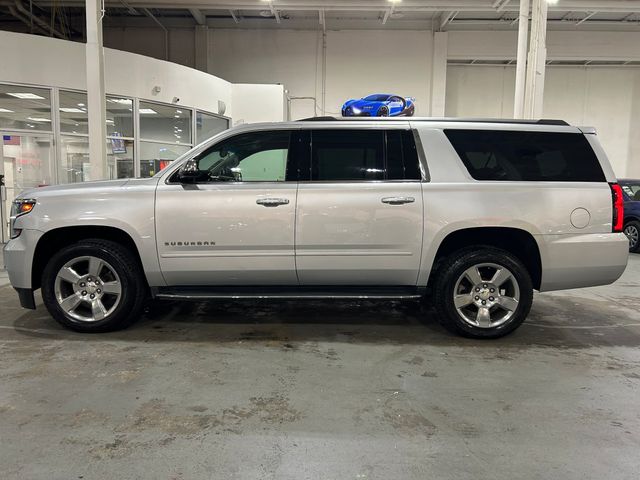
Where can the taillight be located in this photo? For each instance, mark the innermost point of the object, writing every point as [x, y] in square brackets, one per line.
[618, 207]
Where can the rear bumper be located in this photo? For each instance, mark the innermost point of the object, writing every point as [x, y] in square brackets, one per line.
[576, 261]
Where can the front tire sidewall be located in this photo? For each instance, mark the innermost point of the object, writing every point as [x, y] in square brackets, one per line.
[455, 267]
[123, 264]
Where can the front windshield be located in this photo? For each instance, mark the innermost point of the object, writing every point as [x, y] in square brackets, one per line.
[376, 98]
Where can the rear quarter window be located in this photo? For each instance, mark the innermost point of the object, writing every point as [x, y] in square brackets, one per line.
[526, 156]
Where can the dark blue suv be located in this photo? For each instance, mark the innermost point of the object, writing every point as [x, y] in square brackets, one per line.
[631, 192]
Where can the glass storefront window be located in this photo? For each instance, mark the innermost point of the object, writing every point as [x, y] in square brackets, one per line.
[164, 123]
[74, 165]
[119, 116]
[73, 112]
[120, 158]
[27, 163]
[208, 125]
[25, 108]
[156, 156]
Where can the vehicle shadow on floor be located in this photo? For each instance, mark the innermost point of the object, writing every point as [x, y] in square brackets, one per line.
[560, 322]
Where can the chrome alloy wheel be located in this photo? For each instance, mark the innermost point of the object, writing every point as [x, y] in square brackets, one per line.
[632, 233]
[486, 295]
[88, 289]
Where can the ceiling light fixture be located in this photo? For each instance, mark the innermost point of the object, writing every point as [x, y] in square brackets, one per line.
[26, 96]
[118, 100]
[71, 110]
[38, 119]
[6, 110]
[148, 111]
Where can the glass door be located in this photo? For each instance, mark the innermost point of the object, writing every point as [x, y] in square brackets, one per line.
[27, 161]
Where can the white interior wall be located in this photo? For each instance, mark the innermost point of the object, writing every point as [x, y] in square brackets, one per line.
[258, 103]
[357, 63]
[269, 56]
[364, 62]
[607, 98]
[474, 91]
[149, 41]
[561, 45]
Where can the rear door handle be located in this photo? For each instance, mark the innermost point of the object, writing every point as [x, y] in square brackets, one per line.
[272, 202]
[398, 200]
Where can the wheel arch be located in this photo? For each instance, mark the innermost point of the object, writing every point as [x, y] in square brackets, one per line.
[55, 239]
[516, 241]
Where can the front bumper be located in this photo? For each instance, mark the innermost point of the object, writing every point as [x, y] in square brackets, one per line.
[18, 260]
[348, 112]
[18, 257]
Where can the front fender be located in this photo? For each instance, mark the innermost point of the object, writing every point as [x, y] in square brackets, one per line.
[130, 208]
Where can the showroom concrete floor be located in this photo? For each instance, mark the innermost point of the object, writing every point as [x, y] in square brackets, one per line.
[340, 390]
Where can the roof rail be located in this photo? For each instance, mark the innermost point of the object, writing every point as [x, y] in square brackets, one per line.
[434, 119]
[318, 119]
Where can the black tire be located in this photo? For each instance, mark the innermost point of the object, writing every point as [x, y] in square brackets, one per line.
[453, 268]
[133, 287]
[634, 225]
[383, 111]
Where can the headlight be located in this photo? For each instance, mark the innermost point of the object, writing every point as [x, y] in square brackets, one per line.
[355, 110]
[19, 207]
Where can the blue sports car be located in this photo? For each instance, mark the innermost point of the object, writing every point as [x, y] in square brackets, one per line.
[379, 105]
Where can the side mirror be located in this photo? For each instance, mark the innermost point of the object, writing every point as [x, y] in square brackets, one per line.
[189, 172]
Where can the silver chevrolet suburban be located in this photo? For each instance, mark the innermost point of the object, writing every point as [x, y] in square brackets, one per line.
[472, 215]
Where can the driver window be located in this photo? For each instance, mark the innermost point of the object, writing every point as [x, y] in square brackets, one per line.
[249, 157]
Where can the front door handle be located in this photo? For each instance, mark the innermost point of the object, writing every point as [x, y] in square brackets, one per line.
[272, 202]
[398, 200]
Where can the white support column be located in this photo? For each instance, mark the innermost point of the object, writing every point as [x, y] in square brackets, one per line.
[94, 53]
[202, 48]
[521, 64]
[439, 73]
[534, 91]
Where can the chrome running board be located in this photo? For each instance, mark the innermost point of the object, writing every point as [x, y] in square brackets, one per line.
[297, 293]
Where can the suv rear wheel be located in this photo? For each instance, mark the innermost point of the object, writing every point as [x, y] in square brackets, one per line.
[94, 286]
[632, 231]
[482, 292]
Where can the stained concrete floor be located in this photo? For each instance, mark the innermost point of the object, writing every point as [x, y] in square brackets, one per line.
[314, 390]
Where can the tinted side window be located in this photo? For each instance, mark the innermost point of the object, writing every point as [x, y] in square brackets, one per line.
[347, 155]
[526, 156]
[402, 156]
[249, 157]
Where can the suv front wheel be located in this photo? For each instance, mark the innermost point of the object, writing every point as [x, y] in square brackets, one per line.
[482, 292]
[94, 286]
